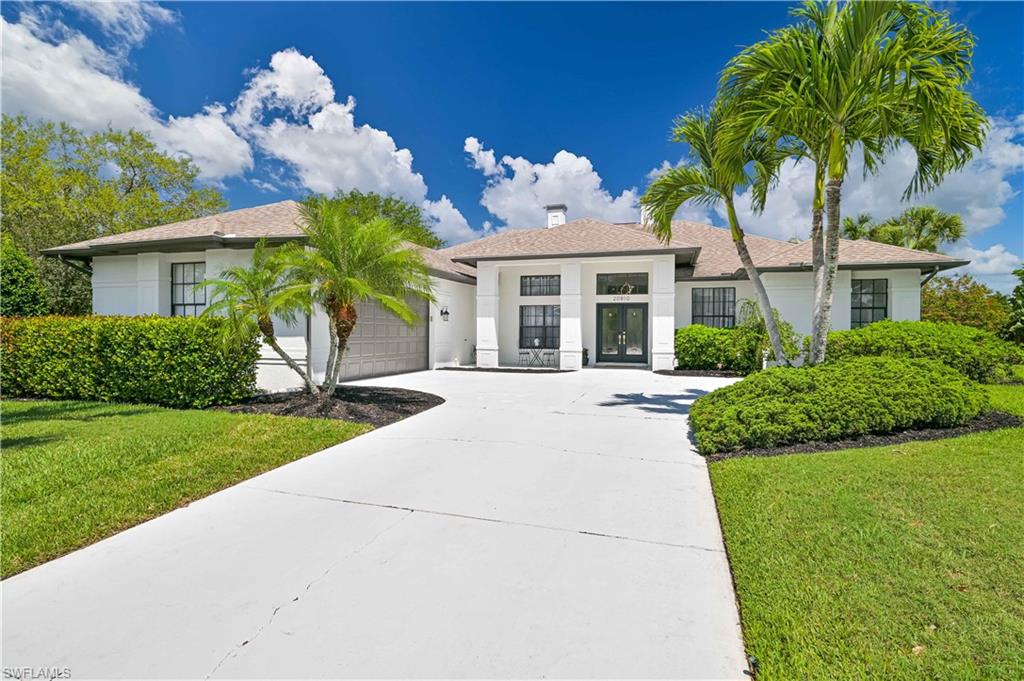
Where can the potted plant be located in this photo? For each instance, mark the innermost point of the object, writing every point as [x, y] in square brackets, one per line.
[586, 357]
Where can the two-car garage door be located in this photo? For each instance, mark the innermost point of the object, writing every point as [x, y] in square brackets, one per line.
[382, 344]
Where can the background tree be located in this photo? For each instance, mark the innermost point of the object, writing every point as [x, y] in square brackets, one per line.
[250, 297]
[405, 216]
[866, 75]
[21, 293]
[60, 185]
[963, 300]
[859, 227]
[715, 177]
[1014, 327]
[347, 260]
[924, 228]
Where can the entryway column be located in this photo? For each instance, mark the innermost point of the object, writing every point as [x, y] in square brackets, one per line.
[570, 350]
[663, 313]
[486, 315]
[153, 290]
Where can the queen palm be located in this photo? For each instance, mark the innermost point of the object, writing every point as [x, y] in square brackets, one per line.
[249, 298]
[867, 75]
[924, 228]
[347, 259]
[714, 177]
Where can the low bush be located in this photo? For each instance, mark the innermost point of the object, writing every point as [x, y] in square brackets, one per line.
[740, 349]
[171, 361]
[834, 401]
[976, 353]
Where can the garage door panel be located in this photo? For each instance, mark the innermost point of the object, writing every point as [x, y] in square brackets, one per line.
[383, 344]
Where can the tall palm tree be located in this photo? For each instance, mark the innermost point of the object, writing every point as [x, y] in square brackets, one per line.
[715, 177]
[859, 227]
[348, 259]
[250, 297]
[924, 228]
[871, 75]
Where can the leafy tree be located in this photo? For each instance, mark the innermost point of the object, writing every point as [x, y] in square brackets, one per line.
[924, 228]
[859, 227]
[21, 294]
[61, 185]
[250, 297]
[867, 74]
[1014, 327]
[346, 260]
[963, 300]
[713, 177]
[404, 215]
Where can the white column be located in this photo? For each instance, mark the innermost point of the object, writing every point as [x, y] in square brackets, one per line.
[486, 315]
[154, 288]
[663, 319]
[570, 351]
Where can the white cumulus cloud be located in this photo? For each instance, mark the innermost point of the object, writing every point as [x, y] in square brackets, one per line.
[517, 189]
[125, 21]
[992, 265]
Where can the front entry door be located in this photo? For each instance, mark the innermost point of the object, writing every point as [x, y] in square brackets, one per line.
[622, 332]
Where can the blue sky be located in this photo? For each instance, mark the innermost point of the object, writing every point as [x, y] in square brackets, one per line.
[479, 112]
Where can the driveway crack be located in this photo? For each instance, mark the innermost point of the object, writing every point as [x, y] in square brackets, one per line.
[234, 651]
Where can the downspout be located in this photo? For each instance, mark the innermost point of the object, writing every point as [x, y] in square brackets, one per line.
[84, 266]
[928, 277]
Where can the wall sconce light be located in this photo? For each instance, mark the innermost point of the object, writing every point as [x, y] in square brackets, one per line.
[445, 313]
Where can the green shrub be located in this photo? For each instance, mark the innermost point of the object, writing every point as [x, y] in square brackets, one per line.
[21, 292]
[833, 401]
[172, 361]
[976, 353]
[740, 349]
[702, 347]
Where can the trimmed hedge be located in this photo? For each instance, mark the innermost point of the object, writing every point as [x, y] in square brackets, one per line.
[171, 361]
[704, 348]
[740, 349]
[833, 401]
[974, 352]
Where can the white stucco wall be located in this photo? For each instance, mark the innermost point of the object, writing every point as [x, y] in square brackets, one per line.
[792, 294]
[452, 341]
[509, 301]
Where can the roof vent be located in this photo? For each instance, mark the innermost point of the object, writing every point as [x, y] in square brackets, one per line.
[556, 214]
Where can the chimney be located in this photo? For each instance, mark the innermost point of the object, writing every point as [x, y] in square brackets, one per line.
[556, 214]
[645, 216]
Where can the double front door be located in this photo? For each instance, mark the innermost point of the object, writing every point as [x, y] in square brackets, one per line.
[622, 332]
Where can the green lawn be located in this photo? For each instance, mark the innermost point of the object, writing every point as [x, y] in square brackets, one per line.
[75, 472]
[893, 562]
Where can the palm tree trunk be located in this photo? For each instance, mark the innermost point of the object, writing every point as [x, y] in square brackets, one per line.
[295, 366]
[332, 353]
[823, 320]
[770, 323]
[345, 322]
[817, 259]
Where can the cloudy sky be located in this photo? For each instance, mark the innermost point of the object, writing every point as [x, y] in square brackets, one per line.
[480, 113]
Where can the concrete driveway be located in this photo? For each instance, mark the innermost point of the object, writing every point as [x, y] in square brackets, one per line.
[541, 525]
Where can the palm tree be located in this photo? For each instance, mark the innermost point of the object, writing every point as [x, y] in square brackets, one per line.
[924, 228]
[867, 74]
[859, 227]
[249, 298]
[715, 177]
[348, 259]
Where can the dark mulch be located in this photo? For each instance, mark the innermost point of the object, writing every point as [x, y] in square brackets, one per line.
[699, 372]
[509, 370]
[993, 420]
[363, 404]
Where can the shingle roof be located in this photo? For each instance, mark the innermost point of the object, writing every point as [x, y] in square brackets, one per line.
[860, 252]
[712, 246]
[577, 237]
[275, 221]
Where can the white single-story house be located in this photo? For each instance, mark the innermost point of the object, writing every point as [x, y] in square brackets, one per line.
[525, 297]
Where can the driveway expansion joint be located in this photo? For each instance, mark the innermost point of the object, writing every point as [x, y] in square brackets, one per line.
[464, 516]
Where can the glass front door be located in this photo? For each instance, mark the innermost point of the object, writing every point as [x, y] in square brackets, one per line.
[622, 332]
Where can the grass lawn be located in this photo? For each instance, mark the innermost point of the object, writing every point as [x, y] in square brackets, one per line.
[893, 562]
[76, 472]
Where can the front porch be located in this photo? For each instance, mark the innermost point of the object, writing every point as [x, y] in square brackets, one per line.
[544, 313]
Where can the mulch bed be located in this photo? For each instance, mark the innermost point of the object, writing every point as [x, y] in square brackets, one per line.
[699, 372]
[363, 404]
[993, 420]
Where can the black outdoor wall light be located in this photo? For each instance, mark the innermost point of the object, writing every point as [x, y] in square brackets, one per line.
[444, 313]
